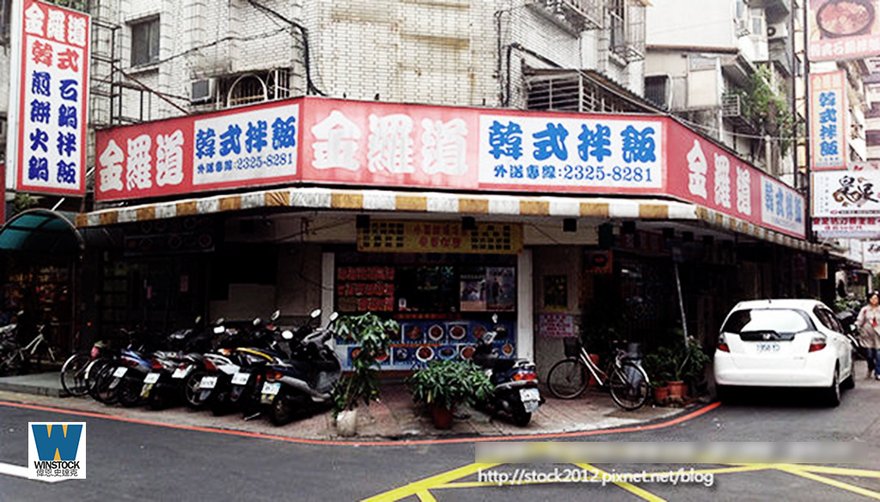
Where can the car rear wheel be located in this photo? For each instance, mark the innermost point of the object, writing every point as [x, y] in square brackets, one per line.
[832, 394]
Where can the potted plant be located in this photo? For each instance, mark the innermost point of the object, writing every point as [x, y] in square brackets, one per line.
[442, 385]
[371, 336]
[660, 367]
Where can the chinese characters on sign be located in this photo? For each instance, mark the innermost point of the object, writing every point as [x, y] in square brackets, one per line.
[730, 187]
[577, 153]
[843, 29]
[233, 148]
[782, 208]
[439, 237]
[847, 227]
[846, 193]
[828, 122]
[52, 105]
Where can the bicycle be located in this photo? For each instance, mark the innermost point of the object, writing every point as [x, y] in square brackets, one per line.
[625, 378]
[19, 358]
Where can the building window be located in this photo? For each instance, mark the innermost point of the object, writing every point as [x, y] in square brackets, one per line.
[626, 29]
[617, 15]
[5, 19]
[145, 42]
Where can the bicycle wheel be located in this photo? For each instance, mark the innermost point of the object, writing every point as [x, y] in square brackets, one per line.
[73, 379]
[629, 386]
[567, 379]
[101, 390]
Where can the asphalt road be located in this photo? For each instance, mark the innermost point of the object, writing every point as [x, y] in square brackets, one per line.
[129, 461]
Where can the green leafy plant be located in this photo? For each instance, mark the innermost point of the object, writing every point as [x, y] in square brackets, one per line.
[449, 383]
[768, 108]
[370, 333]
[678, 362]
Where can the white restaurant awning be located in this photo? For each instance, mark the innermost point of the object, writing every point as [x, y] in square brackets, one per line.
[442, 203]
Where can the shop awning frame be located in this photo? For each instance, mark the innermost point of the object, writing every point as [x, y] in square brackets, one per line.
[463, 204]
[42, 231]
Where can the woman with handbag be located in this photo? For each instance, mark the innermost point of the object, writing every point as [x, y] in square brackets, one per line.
[868, 323]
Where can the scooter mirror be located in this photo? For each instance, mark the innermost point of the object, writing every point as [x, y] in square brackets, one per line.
[334, 316]
[275, 315]
[315, 314]
[287, 334]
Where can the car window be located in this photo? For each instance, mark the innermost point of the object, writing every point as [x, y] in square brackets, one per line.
[778, 320]
[826, 317]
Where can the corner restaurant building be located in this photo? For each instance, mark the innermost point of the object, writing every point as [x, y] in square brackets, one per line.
[437, 217]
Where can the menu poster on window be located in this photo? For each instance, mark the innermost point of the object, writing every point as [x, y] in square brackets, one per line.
[473, 291]
[500, 289]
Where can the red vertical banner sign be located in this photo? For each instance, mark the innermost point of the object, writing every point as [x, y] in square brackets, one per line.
[51, 102]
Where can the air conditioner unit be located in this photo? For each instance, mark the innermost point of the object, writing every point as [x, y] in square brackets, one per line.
[203, 90]
[776, 31]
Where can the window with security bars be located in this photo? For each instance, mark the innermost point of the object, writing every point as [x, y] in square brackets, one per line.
[5, 21]
[145, 42]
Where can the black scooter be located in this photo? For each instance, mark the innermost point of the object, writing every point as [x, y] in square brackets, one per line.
[516, 392]
[305, 381]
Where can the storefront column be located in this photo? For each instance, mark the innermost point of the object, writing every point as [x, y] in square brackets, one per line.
[328, 267]
[525, 337]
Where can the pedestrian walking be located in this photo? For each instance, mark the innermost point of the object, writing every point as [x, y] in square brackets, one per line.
[868, 323]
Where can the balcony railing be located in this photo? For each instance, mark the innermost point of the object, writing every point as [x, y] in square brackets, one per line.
[577, 15]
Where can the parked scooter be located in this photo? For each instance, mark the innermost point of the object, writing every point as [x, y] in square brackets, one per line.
[306, 380]
[516, 391]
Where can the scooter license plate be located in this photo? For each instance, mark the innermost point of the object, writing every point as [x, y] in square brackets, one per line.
[120, 372]
[530, 406]
[240, 378]
[151, 378]
[527, 395]
[271, 388]
[181, 372]
[145, 390]
[208, 382]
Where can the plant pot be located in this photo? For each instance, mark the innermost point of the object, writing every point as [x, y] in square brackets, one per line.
[442, 416]
[346, 423]
[677, 391]
[661, 394]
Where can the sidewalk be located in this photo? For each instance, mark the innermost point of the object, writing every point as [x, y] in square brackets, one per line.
[394, 417]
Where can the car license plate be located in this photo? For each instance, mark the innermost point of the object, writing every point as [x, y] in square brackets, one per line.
[768, 347]
[152, 378]
[120, 372]
[240, 378]
[181, 372]
[529, 395]
[208, 382]
[271, 388]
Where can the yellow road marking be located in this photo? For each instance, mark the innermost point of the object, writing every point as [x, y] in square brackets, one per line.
[635, 490]
[832, 482]
[840, 471]
[425, 496]
[431, 482]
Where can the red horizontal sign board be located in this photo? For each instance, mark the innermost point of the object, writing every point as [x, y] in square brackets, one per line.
[330, 141]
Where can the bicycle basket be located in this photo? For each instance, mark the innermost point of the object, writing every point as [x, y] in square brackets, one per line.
[572, 345]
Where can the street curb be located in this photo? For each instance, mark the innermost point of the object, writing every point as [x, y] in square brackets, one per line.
[684, 416]
[35, 390]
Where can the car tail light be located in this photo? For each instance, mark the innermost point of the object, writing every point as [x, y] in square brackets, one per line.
[817, 343]
[209, 365]
[155, 364]
[525, 376]
[722, 344]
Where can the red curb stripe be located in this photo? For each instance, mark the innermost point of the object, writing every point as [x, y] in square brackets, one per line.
[403, 442]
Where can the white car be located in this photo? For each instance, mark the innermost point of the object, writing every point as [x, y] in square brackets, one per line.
[784, 343]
